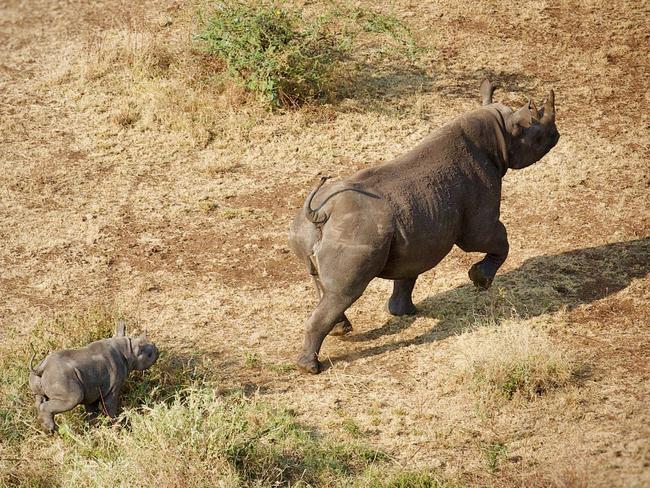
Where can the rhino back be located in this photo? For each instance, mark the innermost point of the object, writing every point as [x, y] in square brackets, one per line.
[431, 190]
[98, 366]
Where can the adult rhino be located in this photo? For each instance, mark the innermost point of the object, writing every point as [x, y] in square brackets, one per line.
[398, 220]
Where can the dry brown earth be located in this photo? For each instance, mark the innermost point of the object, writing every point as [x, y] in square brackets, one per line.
[170, 201]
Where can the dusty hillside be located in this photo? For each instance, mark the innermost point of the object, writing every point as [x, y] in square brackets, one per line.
[130, 181]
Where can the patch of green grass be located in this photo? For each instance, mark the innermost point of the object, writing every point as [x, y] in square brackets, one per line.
[286, 59]
[351, 427]
[282, 367]
[200, 438]
[252, 360]
[388, 24]
[494, 453]
[411, 479]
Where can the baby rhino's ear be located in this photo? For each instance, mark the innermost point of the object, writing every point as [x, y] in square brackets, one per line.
[121, 328]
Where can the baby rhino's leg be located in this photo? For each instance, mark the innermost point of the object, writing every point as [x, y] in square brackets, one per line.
[48, 409]
[63, 394]
[112, 404]
[38, 399]
[92, 412]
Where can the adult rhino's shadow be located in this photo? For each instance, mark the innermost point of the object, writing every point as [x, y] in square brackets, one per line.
[540, 285]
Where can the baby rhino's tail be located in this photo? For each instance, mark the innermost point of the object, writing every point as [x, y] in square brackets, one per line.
[35, 377]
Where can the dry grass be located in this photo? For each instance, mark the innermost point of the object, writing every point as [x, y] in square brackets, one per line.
[515, 359]
[132, 173]
[177, 428]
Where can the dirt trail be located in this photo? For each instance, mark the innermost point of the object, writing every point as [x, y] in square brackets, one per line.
[187, 234]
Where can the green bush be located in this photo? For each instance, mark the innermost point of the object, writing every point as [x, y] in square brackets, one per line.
[266, 48]
[274, 52]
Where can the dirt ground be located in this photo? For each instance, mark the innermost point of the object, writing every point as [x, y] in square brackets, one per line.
[172, 205]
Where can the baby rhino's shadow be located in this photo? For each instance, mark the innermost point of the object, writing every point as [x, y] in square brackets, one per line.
[541, 285]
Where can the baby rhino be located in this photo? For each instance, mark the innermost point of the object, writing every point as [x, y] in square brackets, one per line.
[92, 375]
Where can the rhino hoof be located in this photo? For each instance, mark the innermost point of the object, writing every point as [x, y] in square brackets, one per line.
[478, 278]
[309, 363]
[49, 426]
[342, 328]
[400, 308]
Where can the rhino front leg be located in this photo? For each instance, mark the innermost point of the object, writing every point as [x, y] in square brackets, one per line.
[112, 404]
[496, 247]
[92, 412]
[401, 302]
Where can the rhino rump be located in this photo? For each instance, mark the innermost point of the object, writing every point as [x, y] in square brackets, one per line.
[88, 374]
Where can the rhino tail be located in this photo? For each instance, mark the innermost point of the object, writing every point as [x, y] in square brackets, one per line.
[315, 215]
[35, 377]
[37, 371]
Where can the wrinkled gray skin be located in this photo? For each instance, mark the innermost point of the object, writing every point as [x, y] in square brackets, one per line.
[92, 376]
[398, 220]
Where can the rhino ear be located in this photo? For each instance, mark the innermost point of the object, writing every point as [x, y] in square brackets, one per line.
[534, 113]
[548, 108]
[522, 117]
[486, 91]
[121, 328]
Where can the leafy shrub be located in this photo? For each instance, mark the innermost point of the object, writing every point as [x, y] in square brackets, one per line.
[285, 59]
[266, 48]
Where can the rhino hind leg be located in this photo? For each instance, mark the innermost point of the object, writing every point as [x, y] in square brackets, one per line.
[319, 325]
[48, 409]
[343, 325]
[38, 399]
[401, 302]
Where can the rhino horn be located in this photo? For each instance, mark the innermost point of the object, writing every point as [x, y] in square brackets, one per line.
[486, 91]
[549, 108]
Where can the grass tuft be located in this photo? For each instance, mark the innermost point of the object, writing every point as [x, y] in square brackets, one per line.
[494, 453]
[515, 359]
[411, 479]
